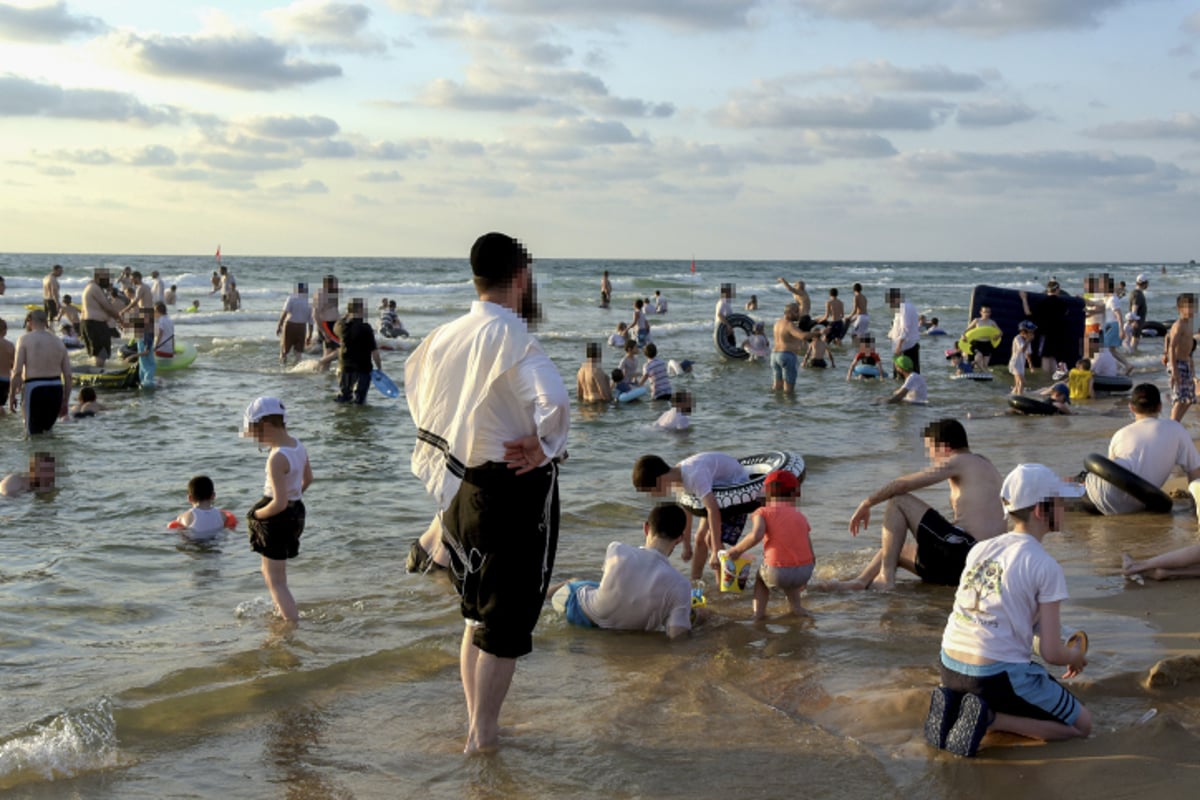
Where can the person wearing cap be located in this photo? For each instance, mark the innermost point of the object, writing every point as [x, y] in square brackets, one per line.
[1137, 308]
[41, 375]
[639, 590]
[1021, 358]
[939, 546]
[276, 521]
[914, 389]
[683, 367]
[357, 352]
[1149, 447]
[788, 559]
[50, 292]
[1011, 590]
[905, 332]
[492, 418]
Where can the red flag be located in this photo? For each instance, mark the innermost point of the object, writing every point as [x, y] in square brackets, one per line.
[693, 265]
[219, 256]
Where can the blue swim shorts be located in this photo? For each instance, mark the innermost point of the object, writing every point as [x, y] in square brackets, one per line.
[566, 601]
[785, 366]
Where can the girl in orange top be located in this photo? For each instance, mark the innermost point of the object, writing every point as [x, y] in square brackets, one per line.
[788, 559]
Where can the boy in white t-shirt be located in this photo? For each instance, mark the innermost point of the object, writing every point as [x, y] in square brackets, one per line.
[1011, 589]
[697, 475]
[640, 590]
[914, 389]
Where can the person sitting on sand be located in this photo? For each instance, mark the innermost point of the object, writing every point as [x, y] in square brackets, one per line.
[788, 560]
[639, 590]
[1011, 588]
[39, 479]
[1183, 562]
[1149, 447]
[939, 546]
[697, 475]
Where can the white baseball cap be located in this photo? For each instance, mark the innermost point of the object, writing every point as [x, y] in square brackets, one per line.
[262, 407]
[1141, 278]
[1029, 484]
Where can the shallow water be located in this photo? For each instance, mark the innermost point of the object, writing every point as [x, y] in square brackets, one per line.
[139, 665]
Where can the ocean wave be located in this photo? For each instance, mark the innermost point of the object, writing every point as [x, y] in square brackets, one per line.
[68, 744]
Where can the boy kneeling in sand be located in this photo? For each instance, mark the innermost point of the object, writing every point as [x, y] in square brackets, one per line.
[1010, 589]
[640, 590]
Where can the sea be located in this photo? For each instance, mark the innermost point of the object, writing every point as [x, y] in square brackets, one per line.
[137, 664]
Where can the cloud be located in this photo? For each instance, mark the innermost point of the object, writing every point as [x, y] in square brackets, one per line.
[329, 26]
[1056, 169]
[247, 163]
[381, 176]
[589, 132]
[288, 126]
[771, 108]
[849, 144]
[1191, 24]
[993, 113]
[155, 155]
[148, 156]
[240, 61]
[386, 151]
[55, 171]
[445, 93]
[48, 23]
[1180, 126]
[883, 76]
[304, 187]
[693, 14]
[95, 157]
[982, 17]
[22, 97]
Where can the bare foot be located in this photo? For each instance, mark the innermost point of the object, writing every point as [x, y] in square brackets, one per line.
[1127, 564]
[881, 585]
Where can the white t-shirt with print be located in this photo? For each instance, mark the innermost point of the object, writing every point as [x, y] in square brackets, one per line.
[640, 591]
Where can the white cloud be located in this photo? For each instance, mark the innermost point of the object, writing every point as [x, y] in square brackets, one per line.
[883, 76]
[1191, 24]
[238, 60]
[304, 187]
[768, 107]
[983, 17]
[710, 14]
[48, 23]
[1180, 126]
[541, 92]
[589, 132]
[330, 26]
[993, 113]
[247, 163]
[23, 97]
[155, 155]
[290, 126]
[381, 176]
[1050, 169]
[852, 144]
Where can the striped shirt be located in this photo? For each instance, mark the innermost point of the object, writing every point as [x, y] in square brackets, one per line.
[655, 371]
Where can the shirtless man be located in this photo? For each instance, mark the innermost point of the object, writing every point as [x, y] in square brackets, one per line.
[42, 369]
[834, 318]
[39, 479]
[800, 294]
[939, 547]
[99, 314]
[859, 322]
[50, 291]
[68, 312]
[605, 290]
[140, 304]
[790, 344]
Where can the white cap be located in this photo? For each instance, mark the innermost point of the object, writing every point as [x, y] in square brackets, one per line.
[1029, 484]
[1141, 278]
[262, 407]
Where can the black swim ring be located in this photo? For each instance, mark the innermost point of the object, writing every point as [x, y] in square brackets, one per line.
[1134, 485]
[1152, 328]
[745, 497]
[1112, 384]
[1031, 406]
[723, 337]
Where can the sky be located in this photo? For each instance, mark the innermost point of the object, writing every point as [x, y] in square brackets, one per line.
[893, 130]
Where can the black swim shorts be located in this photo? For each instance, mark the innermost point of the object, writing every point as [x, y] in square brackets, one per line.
[4, 386]
[502, 533]
[97, 336]
[941, 549]
[277, 537]
[43, 400]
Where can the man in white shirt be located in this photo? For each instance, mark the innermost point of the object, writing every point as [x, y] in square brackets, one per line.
[295, 325]
[905, 333]
[1148, 447]
[492, 416]
[640, 590]
[158, 292]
